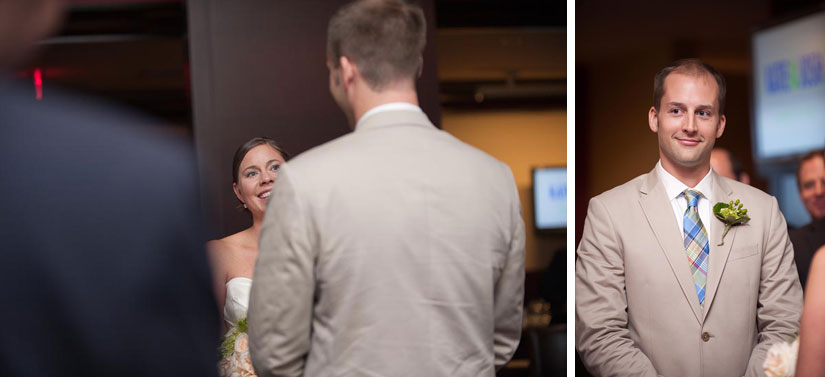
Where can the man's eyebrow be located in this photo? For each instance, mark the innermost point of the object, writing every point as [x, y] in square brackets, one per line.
[679, 104]
[272, 160]
[251, 167]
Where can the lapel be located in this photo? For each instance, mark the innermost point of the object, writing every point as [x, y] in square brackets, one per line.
[659, 214]
[718, 257]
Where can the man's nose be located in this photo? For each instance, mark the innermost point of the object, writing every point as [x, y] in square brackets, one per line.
[689, 124]
[819, 188]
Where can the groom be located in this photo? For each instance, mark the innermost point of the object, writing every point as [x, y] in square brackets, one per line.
[660, 289]
[395, 250]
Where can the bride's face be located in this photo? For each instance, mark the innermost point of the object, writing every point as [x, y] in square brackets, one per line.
[256, 174]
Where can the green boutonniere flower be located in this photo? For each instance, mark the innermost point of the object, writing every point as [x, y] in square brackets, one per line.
[731, 214]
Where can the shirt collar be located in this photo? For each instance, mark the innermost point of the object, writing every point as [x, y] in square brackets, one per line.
[674, 187]
[392, 106]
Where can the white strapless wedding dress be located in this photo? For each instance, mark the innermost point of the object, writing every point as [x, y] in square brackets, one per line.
[237, 363]
[237, 300]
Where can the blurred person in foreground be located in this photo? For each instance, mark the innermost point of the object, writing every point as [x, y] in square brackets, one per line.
[660, 289]
[726, 164]
[395, 250]
[810, 178]
[103, 270]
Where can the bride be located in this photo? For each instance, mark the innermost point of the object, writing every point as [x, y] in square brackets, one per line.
[812, 328]
[254, 170]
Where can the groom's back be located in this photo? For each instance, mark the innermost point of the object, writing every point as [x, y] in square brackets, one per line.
[414, 233]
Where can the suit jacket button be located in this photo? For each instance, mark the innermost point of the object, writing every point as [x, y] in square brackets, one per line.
[705, 336]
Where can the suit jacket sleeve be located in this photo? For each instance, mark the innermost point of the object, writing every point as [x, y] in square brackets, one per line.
[280, 308]
[780, 294]
[603, 339]
[509, 290]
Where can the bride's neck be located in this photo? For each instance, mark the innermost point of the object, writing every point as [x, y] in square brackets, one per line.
[255, 230]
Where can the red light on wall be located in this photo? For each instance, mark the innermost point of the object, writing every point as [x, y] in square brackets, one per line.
[38, 83]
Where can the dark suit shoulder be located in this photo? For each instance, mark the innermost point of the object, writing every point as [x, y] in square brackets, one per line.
[800, 231]
[65, 122]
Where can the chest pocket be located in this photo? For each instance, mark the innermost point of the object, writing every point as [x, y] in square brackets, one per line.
[742, 252]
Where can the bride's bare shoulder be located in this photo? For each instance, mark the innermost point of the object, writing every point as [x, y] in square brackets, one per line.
[221, 247]
[818, 262]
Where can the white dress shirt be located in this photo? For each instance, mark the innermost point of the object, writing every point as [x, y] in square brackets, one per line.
[674, 189]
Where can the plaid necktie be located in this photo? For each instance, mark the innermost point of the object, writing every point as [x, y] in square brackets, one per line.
[696, 243]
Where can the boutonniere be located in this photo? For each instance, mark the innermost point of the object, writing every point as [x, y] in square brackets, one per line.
[731, 214]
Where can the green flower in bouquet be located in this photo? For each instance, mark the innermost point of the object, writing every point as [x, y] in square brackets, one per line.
[228, 345]
[731, 214]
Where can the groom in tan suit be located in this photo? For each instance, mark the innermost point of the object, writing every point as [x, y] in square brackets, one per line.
[396, 250]
[657, 291]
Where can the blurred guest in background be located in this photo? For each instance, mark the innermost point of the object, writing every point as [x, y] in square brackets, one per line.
[395, 250]
[810, 177]
[103, 270]
[812, 329]
[728, 165]
[651, 298]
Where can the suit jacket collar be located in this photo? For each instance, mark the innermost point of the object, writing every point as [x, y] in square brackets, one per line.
[659, 215]
[718, 258]
[401, 117]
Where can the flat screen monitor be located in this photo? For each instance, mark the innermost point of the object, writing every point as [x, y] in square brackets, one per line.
[789, 88]
[550, 198]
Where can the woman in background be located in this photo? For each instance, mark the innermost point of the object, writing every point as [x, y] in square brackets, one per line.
[254, 170]
[811, 360]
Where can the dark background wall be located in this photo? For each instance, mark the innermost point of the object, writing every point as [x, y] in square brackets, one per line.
[258, 69]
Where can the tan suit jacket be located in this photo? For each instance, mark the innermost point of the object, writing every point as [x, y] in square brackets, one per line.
[396, 250]
[637, 311]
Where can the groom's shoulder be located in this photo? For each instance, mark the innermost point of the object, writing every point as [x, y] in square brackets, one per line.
[747, 192]
[625, 191]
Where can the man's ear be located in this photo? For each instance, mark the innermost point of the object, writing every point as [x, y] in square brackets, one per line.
[720, 129]
[348, 71]
[653, 119]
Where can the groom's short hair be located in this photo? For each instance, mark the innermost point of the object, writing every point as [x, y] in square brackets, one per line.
[690, 67]
[384, 38]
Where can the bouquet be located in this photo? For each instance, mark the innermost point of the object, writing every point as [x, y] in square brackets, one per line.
[781, 359]
[235, 360]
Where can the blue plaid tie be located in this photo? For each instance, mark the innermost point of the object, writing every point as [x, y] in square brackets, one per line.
[696, 243]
